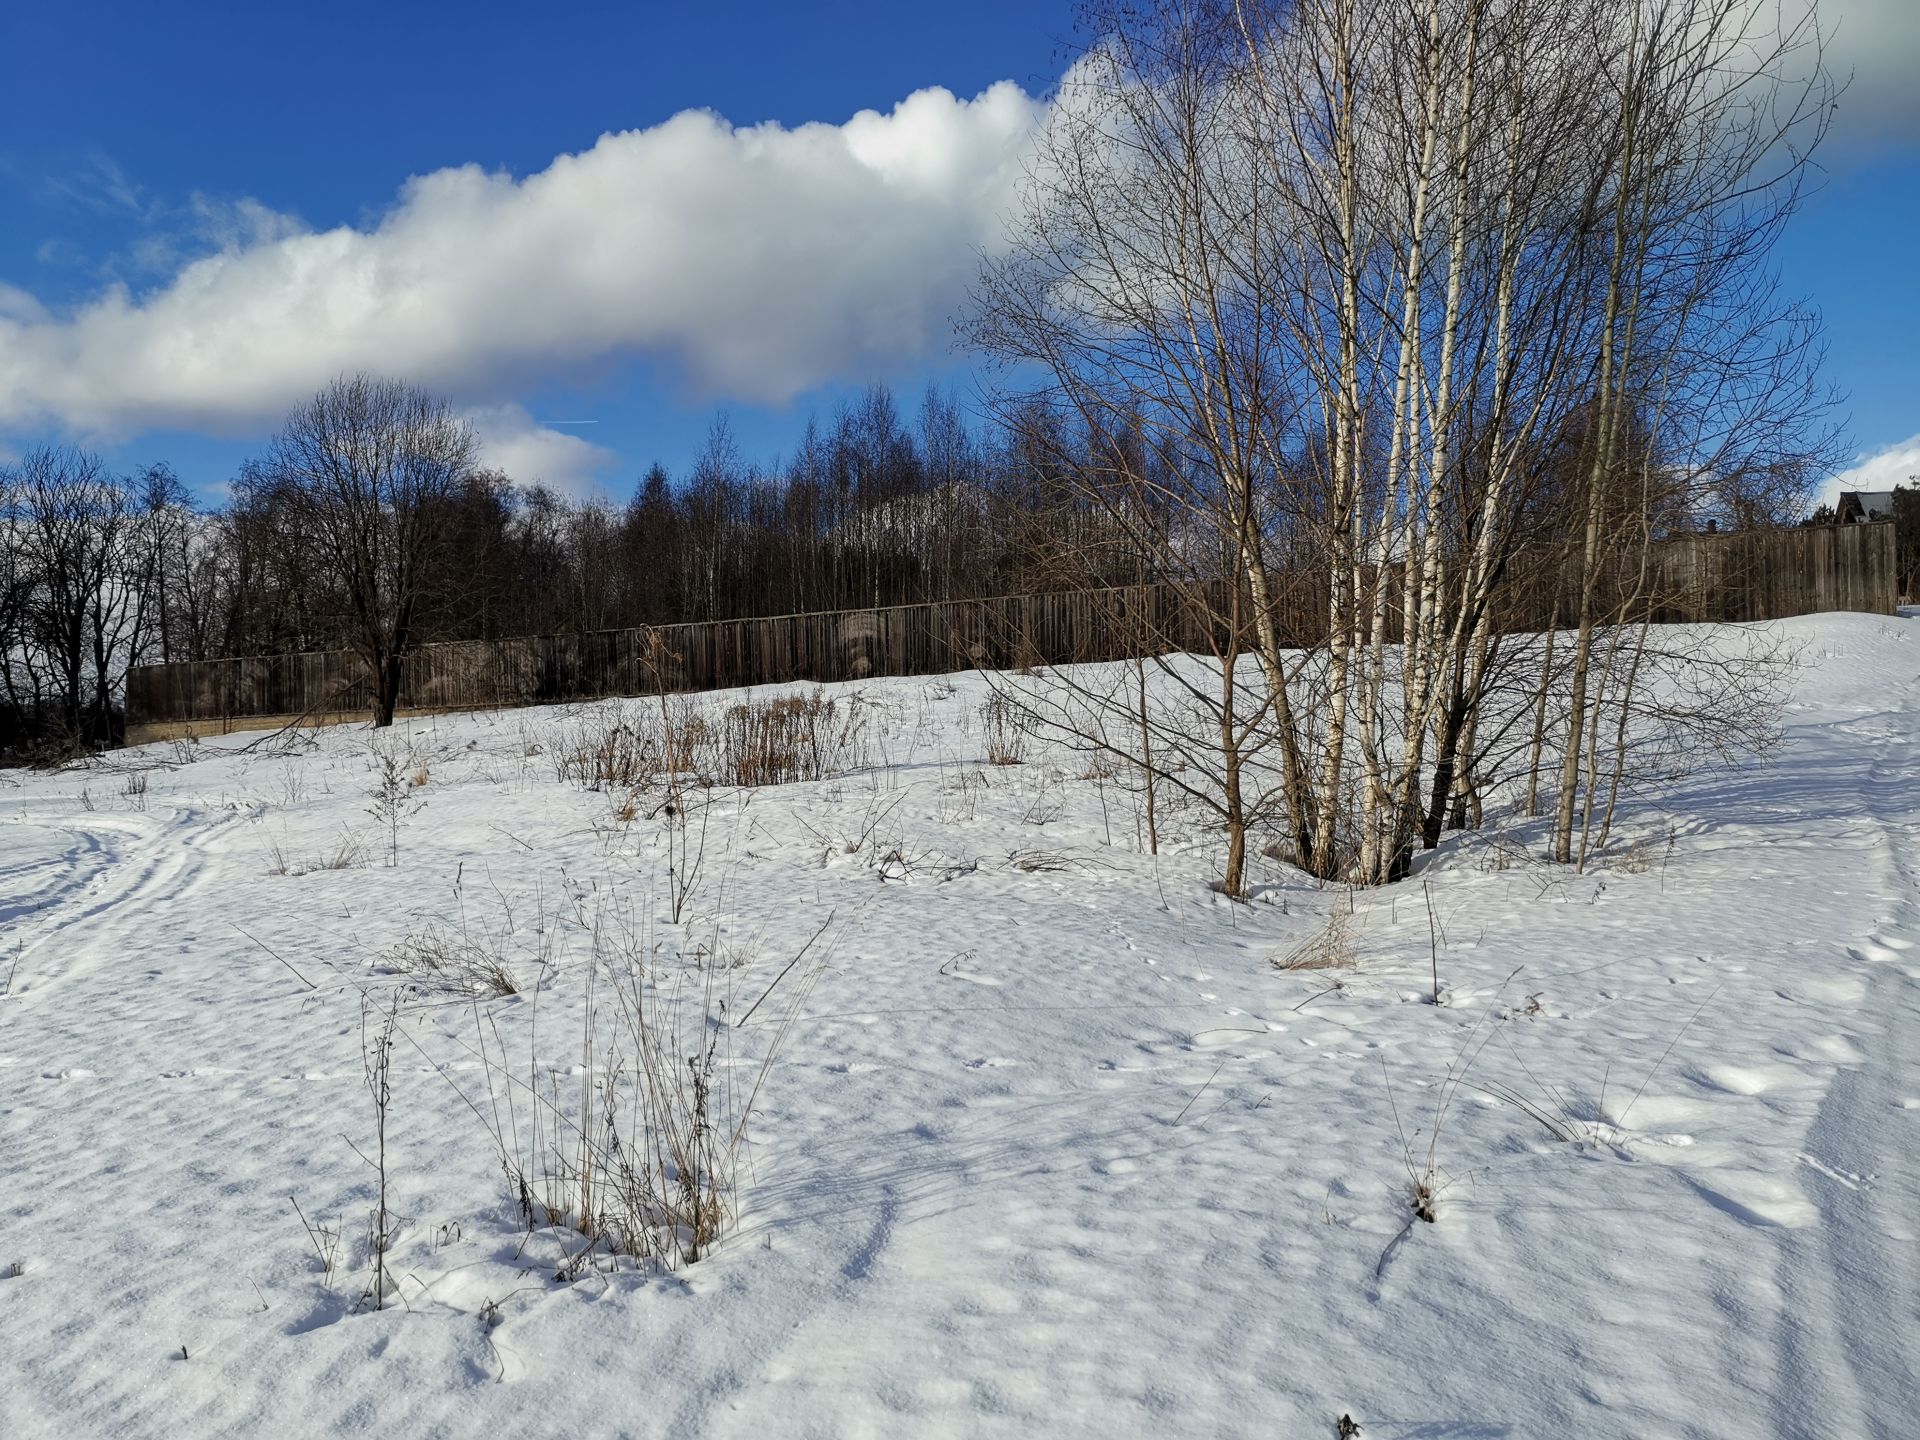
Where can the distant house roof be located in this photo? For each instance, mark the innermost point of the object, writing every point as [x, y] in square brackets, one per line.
[1856, 505]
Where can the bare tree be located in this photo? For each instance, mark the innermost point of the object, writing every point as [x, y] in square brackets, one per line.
[77, 591]
[1429, 289]
[364, 475]
[1714, 107]
[1141, 282]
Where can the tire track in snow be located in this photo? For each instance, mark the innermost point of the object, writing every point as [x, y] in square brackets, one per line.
[51, 880]
[142, 867]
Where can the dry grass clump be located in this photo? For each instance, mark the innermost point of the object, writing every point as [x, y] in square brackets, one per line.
[443, 962]
[638, 1151]
[634, 748]
[349, 854]
[795, 737]
[1329, 948]
[1005, 734]
[687, 740]
[677, 741]
[606, 750]
[1640, 855]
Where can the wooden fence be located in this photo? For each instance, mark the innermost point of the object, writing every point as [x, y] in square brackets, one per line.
[1749, 575]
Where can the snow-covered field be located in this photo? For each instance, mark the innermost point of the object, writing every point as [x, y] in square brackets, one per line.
[1049, 1146]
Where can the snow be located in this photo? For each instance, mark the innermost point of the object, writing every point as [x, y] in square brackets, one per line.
[1051, 1150]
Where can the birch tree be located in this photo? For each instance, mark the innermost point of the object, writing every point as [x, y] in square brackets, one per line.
[1459, 305]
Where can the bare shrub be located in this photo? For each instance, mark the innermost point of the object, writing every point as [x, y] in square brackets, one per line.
[795, 737]
[391, 793]
[1006, 736]
[605, 750]
[1329, 948]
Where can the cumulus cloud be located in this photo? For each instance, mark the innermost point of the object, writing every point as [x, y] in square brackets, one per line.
[1883, 470]
[752, 262]
[513, 441]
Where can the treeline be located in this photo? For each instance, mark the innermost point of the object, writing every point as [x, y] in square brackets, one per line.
[318, 548]
[84, 588]
[870, 509]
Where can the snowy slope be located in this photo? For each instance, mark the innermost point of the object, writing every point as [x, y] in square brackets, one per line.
[1051, 1146]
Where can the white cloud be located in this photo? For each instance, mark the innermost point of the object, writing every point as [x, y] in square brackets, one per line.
[207, 225]
[1877, 43]
[751, 262]
[513, 441]
[18, 306]
[1867, 46]
[1883, 470]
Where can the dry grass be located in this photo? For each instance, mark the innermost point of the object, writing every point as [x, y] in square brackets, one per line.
[326, 1242]
[1041, 862]
[640, 1154]
[437, 961]
[1329, 948]
[1641, 855]
[349, 854]
[795, 737]
[676, 742]
[633, 748]
[1006, 735]
[605, 749]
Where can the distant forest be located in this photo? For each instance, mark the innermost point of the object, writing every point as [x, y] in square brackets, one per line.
[876, 506]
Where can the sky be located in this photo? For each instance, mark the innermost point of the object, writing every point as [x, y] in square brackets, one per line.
[593, 227]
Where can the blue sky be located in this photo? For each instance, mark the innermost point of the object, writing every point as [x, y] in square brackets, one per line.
[219, 156]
